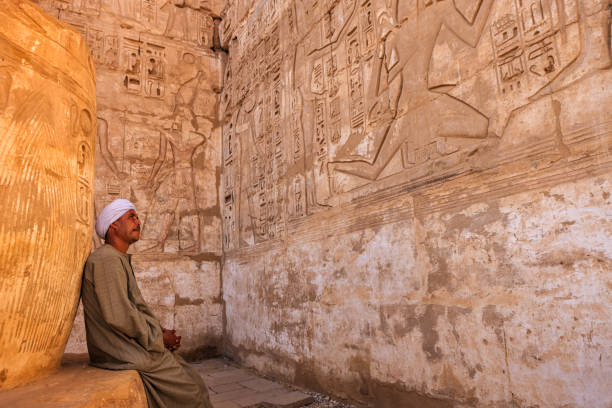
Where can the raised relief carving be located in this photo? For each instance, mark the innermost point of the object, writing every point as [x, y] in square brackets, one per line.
[154, 56]
[524, 46]
[47, 94]
[113, 184]
[132, 66]
[187, 21]
[86, 7]
[149, 11]
[104, 46]
[205, 30]
[230, 158]
[400, 104]
[85, 167]
[174, 191]
[382, 90]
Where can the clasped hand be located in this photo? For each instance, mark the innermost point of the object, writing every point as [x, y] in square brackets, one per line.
[171, 340]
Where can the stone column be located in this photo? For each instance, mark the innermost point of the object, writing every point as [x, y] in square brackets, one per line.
[47, 125]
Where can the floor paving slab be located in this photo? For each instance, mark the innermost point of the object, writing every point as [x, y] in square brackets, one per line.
[293, 399]
[232, 395]
[261, 385]
[226, 404]
[234, 387]
[226, 387]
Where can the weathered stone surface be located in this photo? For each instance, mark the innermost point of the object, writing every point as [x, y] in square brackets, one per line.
[47, 128]
[159, 145]
[231, 387]
[416, 198]
[77, 385]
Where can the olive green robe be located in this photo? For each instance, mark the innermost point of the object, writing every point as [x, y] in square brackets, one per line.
[123, 333]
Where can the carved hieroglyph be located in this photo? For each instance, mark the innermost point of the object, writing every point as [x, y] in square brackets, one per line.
[156, 109]
[158, 145]
[47, 123]
[327, 99]
[416, 198]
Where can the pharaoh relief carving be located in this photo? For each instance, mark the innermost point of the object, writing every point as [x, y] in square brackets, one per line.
[174, 193]
[381, 92]
[154, 165]
[156, 108]
[47, 119]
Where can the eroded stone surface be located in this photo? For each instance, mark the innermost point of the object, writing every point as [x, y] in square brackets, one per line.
[47, 127]
[416, 198]
[159, 146]
[230, 386]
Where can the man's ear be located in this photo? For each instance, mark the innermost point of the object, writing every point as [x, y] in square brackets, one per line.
[112, 227]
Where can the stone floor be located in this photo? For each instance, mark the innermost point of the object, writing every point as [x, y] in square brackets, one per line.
[234, 387]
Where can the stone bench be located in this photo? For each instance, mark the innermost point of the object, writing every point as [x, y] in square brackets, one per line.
[76, 384]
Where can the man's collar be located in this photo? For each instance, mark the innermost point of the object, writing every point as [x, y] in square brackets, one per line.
[124, 255]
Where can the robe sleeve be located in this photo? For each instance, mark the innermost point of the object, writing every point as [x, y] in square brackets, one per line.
[111, 288]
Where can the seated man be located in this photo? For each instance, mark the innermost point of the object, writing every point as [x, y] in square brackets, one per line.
[122, 332]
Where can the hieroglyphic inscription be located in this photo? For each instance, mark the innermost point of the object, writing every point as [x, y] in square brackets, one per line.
[360, 100]
[155, 69]
[143, 68]
[229, 197]
[355, 81]
[82, 124]
[149, 11]
[132, 65]
[524, 45]
[263, 144]
[205, 30]
[86, 7]
[104, 47]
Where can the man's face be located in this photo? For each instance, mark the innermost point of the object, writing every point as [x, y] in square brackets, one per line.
[127, 227]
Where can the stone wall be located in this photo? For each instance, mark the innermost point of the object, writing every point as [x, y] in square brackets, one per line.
[158, 144]
[416, 198]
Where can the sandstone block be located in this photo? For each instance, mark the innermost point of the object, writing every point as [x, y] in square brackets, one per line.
[47, 125]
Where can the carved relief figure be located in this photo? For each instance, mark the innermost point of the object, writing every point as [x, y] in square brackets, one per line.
[104, 151]
[174, 195]
[184, 20]
[595, 52]
[401, 110]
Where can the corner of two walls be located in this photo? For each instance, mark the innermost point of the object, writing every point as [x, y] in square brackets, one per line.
[158, 144]
[416, 199]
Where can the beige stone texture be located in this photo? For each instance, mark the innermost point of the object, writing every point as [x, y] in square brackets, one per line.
[159, 145]
[416, 199]
[404, 203]
[47, 128]
[77, 385]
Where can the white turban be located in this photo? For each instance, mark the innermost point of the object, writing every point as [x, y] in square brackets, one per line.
[112, 213]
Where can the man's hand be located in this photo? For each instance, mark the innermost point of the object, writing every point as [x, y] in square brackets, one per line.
[171, 340]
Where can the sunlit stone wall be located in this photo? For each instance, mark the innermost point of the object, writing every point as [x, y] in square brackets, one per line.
[416, 198]
[158, 145]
